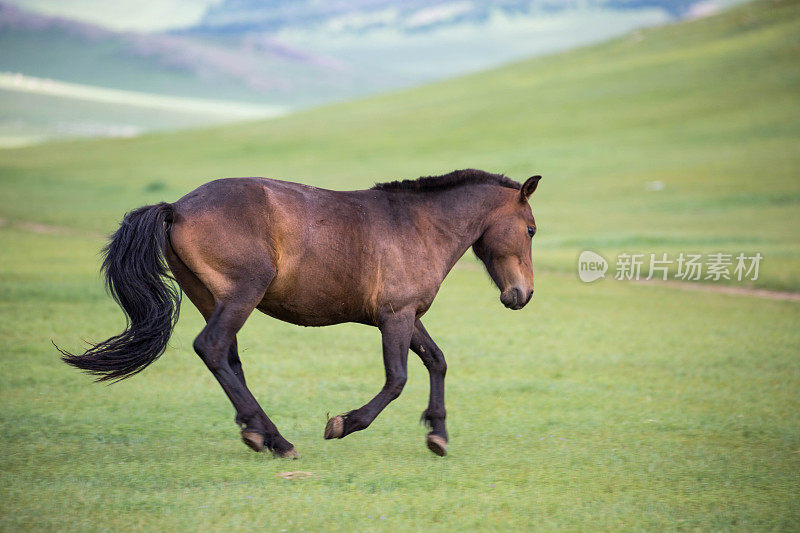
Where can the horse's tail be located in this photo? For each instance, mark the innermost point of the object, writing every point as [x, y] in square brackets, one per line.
[137, 278]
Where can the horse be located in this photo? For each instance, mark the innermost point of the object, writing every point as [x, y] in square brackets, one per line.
[311, 257]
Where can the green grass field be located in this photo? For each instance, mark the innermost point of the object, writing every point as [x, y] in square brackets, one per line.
[600, 406]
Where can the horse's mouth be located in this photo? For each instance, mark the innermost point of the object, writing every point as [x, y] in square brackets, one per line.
[513, 299]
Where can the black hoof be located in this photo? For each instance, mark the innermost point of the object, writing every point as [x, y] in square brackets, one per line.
[436, 444]
[291, 454]
[334, 429]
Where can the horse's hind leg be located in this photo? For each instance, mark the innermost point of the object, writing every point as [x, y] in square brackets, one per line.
[236, 366]
[235, 362]
[202, 298]
[258, 430]
[214, 345]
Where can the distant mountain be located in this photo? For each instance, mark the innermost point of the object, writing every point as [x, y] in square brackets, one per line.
[254, 68]
[236, 16]
[677, 8]
[127, 15]
[395, 43]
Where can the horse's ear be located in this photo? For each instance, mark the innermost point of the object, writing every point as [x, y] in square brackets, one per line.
[528, 187]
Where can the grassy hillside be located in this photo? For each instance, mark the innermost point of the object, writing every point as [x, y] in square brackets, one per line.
[608, 406]
[38, 118]
[709, 108]
[36, 110]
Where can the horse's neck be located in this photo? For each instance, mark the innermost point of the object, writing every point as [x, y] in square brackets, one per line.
[462, 214]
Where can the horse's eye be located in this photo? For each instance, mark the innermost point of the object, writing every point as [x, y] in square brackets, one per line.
[531, 231]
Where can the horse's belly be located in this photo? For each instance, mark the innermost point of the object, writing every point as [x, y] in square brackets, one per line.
[310, 313]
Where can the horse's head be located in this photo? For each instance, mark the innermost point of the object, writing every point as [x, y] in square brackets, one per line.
[505, 247]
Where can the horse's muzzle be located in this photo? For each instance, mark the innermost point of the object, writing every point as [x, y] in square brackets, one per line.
[513, 298]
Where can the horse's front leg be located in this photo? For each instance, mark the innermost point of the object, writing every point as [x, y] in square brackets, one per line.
[396, 330]
[433, 359]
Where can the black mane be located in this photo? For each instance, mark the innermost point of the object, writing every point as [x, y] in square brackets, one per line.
[456, 178]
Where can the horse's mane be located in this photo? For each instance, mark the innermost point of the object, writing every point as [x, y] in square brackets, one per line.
[456, 178]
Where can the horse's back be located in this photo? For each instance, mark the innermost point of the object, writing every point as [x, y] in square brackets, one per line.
[311, 244]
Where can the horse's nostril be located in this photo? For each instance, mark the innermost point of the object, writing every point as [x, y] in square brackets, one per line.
[530, 295]
[518, 296]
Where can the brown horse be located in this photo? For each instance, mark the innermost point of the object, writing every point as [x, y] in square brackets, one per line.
[311, 257]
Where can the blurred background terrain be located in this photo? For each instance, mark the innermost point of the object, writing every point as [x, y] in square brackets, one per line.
[64, 63]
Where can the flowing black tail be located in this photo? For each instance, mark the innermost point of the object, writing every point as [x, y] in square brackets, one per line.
[137, 278]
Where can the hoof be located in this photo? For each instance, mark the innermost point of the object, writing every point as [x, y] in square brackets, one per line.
[334, 429]
[253, 440]
[436, 444]
[291, 454]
